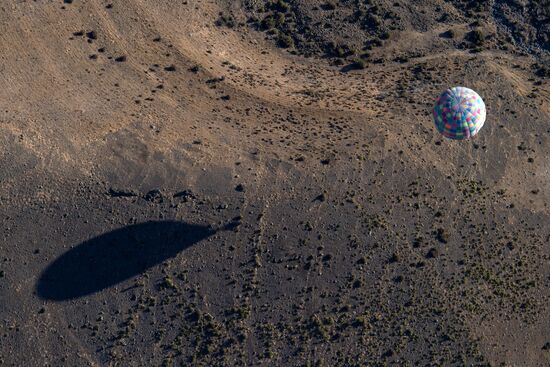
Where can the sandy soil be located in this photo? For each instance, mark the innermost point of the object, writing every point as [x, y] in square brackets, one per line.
[177, 193]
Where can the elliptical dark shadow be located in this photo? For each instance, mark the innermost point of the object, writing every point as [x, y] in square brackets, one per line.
[113, 257]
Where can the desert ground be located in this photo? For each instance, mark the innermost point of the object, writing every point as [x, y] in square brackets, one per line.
[260, 183]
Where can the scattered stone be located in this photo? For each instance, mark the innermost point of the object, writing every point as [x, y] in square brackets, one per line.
[154, 196]
[185, 195]
[234, 224]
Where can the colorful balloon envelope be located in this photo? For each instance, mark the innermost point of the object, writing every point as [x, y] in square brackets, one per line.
[459, 113]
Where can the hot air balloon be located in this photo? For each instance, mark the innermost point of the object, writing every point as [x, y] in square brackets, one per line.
[459, 113]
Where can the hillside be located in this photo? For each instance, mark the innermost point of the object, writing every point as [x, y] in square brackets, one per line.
[259, 183]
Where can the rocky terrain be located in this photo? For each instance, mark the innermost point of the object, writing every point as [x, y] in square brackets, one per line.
[259, 183]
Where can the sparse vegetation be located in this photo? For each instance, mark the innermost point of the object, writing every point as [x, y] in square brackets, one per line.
[225, 20]
[358, 64]
[274, 211]
[285, 41]
[542, 71]
[475, 37]
[449, 34]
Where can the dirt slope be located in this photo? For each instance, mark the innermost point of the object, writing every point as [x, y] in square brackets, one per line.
[320, 218]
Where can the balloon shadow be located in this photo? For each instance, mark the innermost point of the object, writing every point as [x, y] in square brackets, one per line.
[113, 257]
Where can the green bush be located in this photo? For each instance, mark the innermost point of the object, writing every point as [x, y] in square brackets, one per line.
[225, 20]
[329, 5]
[280, 6]
[543, 71]
[358, 64]
[285, 41]
[475, 37]
[385, 35]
